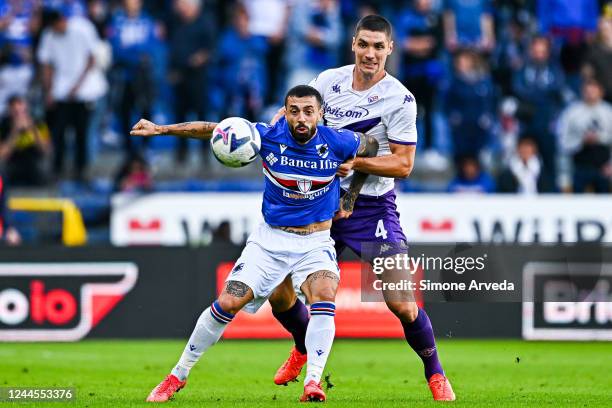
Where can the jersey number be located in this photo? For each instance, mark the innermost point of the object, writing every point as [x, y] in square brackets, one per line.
[380, 230]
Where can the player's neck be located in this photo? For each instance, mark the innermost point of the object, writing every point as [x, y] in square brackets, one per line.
[362, 82]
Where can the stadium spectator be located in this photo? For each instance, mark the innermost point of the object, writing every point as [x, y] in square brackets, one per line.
[98, 12]
[572, 25]
[420, 36]
[239, 84]
[585, 133]
[471, 178]
[134, 176]
[191, 45]
[71, 84]
[24, 145]
[8, 234]
[313, 39]
[523, 174]
[18, 24]
[134, 38]
[539, 85]
[470, 104]
[598, 61]
[511, 51]
[268, 20]
[469, 24]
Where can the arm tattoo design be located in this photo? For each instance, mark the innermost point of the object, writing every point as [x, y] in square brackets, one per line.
[236, 289]
[192, 129]
[368, 147]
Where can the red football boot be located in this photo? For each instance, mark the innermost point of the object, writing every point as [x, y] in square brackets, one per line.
[440, 388]
[291, 368]
[313, 393]
[166, 389]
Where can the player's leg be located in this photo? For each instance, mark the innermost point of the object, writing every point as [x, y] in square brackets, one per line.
[208, 329]
[291, 312]
[211, 324]
[320, 289]
[375, 225]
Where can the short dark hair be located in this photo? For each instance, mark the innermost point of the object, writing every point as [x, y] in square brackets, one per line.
[301, 91]
[374, 22]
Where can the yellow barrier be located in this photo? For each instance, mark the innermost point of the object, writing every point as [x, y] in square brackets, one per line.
[73, 228]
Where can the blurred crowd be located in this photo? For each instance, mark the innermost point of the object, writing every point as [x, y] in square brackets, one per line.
[513, 95]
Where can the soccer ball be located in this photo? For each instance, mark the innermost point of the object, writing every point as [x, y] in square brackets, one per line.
[235, 142]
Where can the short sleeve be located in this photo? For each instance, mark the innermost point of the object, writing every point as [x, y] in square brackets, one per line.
[400, 120]
[350, 143]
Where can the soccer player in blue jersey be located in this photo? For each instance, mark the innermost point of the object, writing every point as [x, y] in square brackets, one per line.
[363, 97]
[301, 196]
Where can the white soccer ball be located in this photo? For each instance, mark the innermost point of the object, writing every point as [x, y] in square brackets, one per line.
[235, 142]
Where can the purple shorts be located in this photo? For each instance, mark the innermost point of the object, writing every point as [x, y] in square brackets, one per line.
[375, 221]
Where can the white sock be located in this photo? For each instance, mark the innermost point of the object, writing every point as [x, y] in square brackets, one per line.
[319, 339]
[209, 328]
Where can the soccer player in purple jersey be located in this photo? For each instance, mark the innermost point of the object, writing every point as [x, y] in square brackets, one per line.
[301, 196]
[364, 97]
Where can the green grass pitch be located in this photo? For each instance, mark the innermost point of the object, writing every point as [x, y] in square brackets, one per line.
[364, 373]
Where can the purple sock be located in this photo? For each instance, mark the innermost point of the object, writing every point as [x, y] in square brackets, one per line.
[419, 335]
[295, 320]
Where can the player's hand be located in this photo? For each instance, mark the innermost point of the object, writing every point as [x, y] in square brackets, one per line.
[342, 214]
[345, 168]
[145, 128]
[278, 115]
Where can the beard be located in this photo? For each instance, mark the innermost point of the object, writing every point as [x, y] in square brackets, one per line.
[303, 137]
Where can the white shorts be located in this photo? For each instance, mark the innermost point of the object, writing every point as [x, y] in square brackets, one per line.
[272, 254]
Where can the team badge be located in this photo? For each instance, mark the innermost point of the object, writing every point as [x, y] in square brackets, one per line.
[372, 98]
[304, 185]
[322, 150]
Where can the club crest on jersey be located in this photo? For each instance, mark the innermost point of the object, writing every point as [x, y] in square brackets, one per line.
[336, 88]
[304, 185]
[322, 150]
[283, 147]
[408, 98]
[372, 98]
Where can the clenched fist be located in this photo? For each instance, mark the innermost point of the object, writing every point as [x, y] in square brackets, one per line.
[145, 128]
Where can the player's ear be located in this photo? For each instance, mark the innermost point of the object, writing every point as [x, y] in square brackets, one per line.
[320, 114]
[390, 47]
[353, 45]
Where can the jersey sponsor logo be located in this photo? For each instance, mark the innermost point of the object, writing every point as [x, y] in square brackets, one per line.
[322, 150]
[308, 164]
[373, 98]
[283, 147]
[408, 98]
[355, 113]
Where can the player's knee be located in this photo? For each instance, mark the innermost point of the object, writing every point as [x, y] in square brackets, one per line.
[230, 304]
[324, 294]
[405, 311]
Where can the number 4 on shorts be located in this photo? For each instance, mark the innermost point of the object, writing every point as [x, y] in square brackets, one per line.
[380, 230]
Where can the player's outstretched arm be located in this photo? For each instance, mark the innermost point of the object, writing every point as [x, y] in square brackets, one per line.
[368, 147]
[196, 130]
[398, 164]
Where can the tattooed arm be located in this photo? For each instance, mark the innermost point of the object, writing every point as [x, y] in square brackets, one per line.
[368, 147]
[197, 130]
